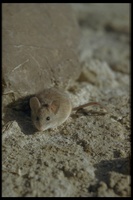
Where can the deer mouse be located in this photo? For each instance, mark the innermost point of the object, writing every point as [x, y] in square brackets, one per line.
[51, 107]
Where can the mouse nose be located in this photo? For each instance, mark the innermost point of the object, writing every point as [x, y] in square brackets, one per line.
[39, 128]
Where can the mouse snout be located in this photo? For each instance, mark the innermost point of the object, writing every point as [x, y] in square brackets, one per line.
[41, 128]
[38, 127]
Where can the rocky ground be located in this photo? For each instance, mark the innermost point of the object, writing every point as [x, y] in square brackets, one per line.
[87, 156]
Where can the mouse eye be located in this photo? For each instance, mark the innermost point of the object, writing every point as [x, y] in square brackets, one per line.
[37, 118]
[48, 118]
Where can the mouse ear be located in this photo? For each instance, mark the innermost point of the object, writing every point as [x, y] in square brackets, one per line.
[34, 104]
[54, 106]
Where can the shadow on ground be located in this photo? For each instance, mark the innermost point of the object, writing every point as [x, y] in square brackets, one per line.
[19, 111]
[103, 169]
[120, 165]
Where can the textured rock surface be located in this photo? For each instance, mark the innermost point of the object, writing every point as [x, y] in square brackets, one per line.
[39, 47]
[87, 156]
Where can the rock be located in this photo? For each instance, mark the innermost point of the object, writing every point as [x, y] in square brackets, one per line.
[39, 47]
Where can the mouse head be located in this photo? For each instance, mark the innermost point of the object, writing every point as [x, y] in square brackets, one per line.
[43, 115]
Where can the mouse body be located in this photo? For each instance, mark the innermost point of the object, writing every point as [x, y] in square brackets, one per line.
[50, 108]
